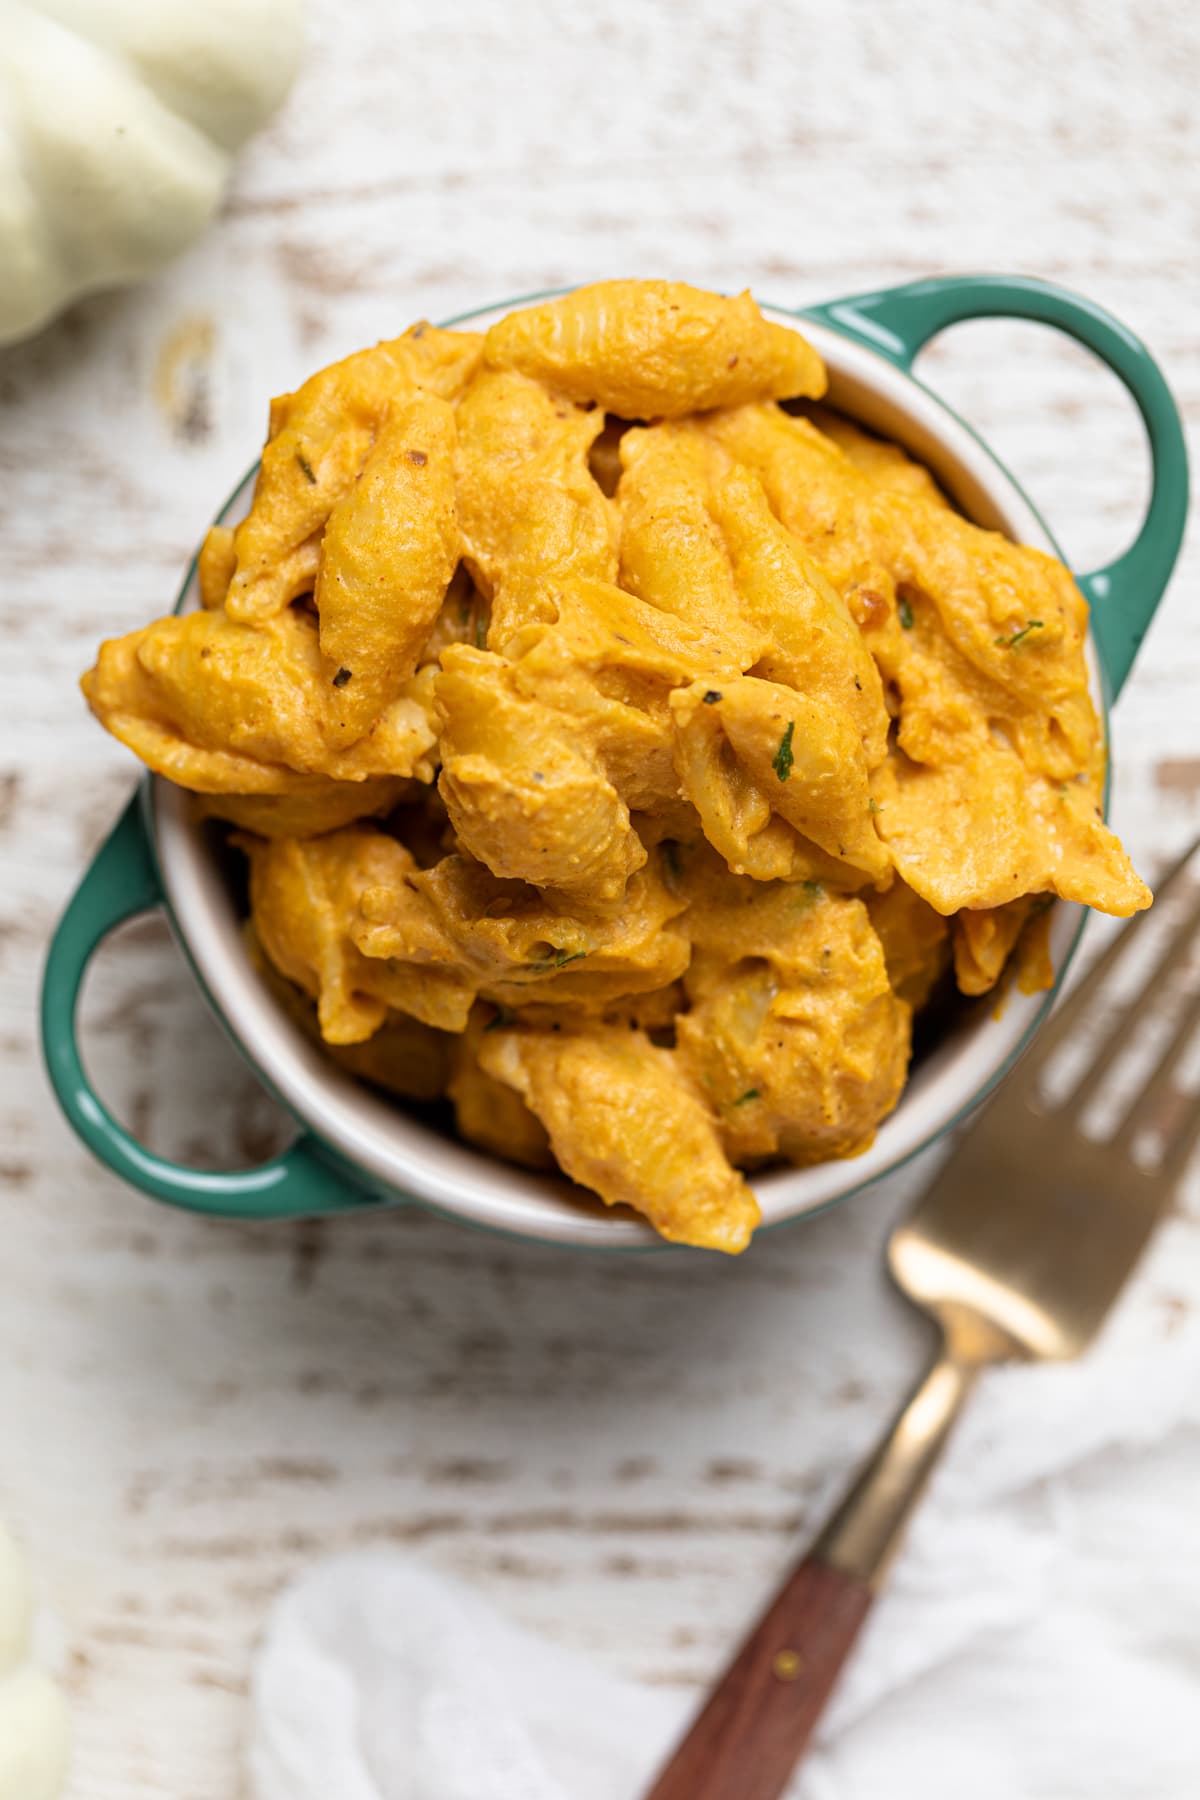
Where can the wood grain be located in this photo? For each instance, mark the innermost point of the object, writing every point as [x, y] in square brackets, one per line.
[623, 1454]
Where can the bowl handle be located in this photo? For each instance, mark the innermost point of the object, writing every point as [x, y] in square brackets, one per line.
[898, 322]
[121, 883]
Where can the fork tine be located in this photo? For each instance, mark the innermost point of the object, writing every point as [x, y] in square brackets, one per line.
[1115, 1038]
[1158, 1084]
[1066, 1015]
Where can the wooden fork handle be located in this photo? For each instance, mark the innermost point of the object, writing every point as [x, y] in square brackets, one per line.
[757, 1722]
[755, 1725]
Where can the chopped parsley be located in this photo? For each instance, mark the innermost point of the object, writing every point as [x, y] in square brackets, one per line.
[873, 805]
[812, 889]
[750, 1094]
[1018, 637]
[904, 608]
[712, 696]
[307, 468]
[503, 1017]
[781, 762]
[342, 677]
[481, 632]
[560, 959]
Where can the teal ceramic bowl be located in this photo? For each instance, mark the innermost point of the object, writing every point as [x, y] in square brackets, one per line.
[355, 1149]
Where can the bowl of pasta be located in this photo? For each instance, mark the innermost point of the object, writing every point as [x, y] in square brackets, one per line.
[627, 765]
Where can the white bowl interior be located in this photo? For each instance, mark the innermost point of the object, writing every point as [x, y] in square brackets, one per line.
[400, 1151]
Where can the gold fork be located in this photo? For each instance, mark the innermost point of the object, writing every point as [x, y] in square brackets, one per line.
[1018, 1249]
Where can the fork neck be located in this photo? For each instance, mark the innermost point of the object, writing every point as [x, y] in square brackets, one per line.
[862, 1536]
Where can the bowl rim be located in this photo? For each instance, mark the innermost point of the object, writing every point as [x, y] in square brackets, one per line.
[406, 1158]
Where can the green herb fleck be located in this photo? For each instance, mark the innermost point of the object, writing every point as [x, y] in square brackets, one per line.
[813, 888]
[341, 678]
[480, 632]
[873, 805]
[750, 1094]
[1041, 904]
[1018, 637]
[307, 467]
[904, 608]
[712, 696]
[781, 762]
[503, 1017]
[560, 959]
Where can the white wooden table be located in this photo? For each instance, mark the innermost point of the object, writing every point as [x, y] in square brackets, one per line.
[621, 1453]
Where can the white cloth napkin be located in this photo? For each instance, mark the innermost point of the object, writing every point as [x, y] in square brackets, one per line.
[1040, 1639]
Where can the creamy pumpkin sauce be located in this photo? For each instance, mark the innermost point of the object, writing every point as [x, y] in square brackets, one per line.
[622, 754]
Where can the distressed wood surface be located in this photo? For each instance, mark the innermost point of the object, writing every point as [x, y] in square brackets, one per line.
[620, 1453]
